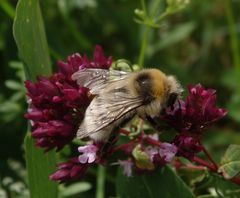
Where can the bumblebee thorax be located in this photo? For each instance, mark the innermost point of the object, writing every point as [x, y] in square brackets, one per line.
[149, 84]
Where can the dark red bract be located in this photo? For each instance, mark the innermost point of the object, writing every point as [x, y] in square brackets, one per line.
[187, 145]
[70, 170]
[196, 113]
[191, 117]
[57, 103]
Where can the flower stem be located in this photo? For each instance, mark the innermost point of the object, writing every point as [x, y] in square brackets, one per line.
[101, 174]
[147, 29]
[143, 6]
[123, 146]
[125, 132]
[204, 163]
[152, 141]
[212, 168]
[209, 156]
[180, 165]
[147, 139]
[143, 47]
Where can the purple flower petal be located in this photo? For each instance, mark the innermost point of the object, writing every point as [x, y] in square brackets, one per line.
[127, 167]
[89, 154]
[167, 151]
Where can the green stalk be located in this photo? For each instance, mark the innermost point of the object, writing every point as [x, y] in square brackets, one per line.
[101, 174]
[143, 46]
[234, 42]
[146, 30]
[29, 35]
[155, 7]
[143, 4]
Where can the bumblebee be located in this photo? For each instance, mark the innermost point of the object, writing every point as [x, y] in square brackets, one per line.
[119, 96]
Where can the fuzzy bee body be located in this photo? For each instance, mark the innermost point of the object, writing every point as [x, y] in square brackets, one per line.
[121, 95]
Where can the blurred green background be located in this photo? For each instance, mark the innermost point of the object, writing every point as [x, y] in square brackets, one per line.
[198, 45]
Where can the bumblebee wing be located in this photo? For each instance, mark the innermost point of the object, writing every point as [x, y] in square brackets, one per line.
[107, 109]
[97, 79]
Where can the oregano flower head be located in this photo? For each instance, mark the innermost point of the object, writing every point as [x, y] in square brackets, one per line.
[57, 105]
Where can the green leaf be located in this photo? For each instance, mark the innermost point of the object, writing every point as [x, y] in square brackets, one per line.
[206, 196]
[218, 187]
[9, 110]
[225, 188]
[162, 183]
[230, 163]
[14, 85]
[9, 107]
[75, 188]
[176, 35]
[29, 34]
[39, 166]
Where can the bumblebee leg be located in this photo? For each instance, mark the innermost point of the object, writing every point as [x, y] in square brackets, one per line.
[109, 144]
[155, 123]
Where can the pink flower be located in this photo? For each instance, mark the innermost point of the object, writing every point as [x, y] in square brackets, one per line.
[71, 170]
[161, 155]
[187, 145]
[89, 153]
[167, 151]
[57, 103]
[56, 109]
[127, 167]
[76, 62]
[99, 60]
[54, 133]
[198, 112]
